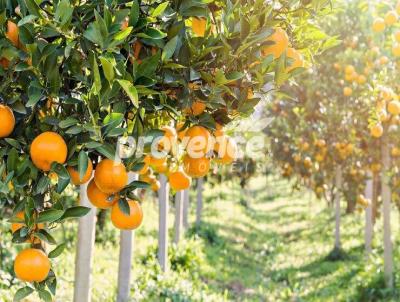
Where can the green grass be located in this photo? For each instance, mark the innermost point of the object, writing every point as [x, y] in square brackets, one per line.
[272, 247]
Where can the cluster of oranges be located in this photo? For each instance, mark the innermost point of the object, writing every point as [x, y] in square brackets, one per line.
[187, 153]
[280, 45]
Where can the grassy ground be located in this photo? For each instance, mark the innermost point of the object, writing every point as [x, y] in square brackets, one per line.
[272, 247]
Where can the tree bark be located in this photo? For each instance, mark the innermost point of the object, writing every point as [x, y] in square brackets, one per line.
[163, 203]
[338, 185]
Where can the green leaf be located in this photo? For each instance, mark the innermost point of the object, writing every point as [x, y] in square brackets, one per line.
[45, 236]
[33, 8]
[152, 33]
[27, 19]
[63, 176]
[107, 150]
[130, 91]
[83, 161]
[64, 12]
[68, 122]
[45, 295]
[108, 69]
[134, 15]
[22, 293]
[122, 35]
[49, 216]
[75, 212]
[169, 49]
[160, 9]
[96, 75]
[57, 251]
[124, 207]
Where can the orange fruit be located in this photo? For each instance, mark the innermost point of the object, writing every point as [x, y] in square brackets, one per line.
[377, 130]
[149, 178]
[297, 60]
[47, 148]
[198, 139]
[362, 79]
[378, 25]
[168, 141]
[162, 169]
[396, 50]
[197, 108]
[383, 60]
[75, 177]
[123, 221]
[347, 91]
[7, 121]
[179, 180]
[181, 132]
[32, 265]
[196, 167]
[394, 107]
[4, 63]
[156, 162]
[397, 36]
[100, 199]
[391, 17]
[155, 186]
[349, 69]
[110, 176]
[226, 149]
[280, 41]
[125, 24]
[199, 26]
[12, 33]
[15, 226]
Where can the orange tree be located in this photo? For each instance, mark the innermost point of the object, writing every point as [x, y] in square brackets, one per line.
[78, 75]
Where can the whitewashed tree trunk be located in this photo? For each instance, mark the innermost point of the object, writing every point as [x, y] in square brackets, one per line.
[163, 196]
[84, 250]
[178, 215]
[368, 215]
[186, 209]
[386, 199]
[199, 206]
[125, 259]
[338, 184]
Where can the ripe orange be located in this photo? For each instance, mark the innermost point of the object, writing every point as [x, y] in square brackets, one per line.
[15, 226]
[100, 199]
[226, 150]
[383, 60]
[168, 141]
[199, 26]
[281, 43]
[181, 132]
[110, 176]
[75, 178]
[12, 33]
[396, 50]
[198, 139]
[391, 17]
[347, 91]
[156, 162]
[32, 265]
[125, 24]
[179, 180]
[7, 121]
[378, 25]
[394, 107]
[297, 60]
[350, 69]
[47, 148]
[362, 79]
[196, 167]
[162, 169]
[197, 108]
[124, 222]
[377, 130]
[397, 36]
[155, 186]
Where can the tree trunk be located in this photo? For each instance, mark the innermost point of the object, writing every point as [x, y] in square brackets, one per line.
[375, 191]
[178, 215]
[199, 207]
[186, 209]
[125, 259]
[338, 184]
[163, 203]
[386, 199]
[368, 216]
[84, 250]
